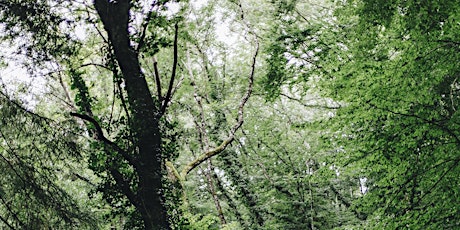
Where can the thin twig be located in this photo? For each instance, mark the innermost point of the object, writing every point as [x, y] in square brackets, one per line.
[96, 65]
[309, 105]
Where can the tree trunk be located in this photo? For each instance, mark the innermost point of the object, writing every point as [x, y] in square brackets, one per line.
[145, 114]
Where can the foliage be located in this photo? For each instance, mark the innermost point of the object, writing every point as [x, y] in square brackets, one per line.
[392, 65]
[398, 128]
[395, 136]
[35, 152]
[292, 114]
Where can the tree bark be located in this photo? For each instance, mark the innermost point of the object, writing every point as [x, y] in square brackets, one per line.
[145, 114]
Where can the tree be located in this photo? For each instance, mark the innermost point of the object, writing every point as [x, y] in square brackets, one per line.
[392, 65]
[145, 112]
[304, 114]
[130, 159]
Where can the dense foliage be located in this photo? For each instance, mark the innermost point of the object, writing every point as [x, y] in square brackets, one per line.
[291, 114]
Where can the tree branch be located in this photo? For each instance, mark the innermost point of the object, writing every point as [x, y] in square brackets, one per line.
[203, 157]
[174, 171]
[454, 164]
[432, 122]
[173, 72]
[157, 80]
[101, 137]
[6, 222]
[23, 109]
[347, 203]
[310, 105]
[448, 41]
[82, 178]
[14, 214]
[124, 186]
[95, 64]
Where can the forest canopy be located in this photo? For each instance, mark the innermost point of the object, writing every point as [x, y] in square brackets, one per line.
[234, 114]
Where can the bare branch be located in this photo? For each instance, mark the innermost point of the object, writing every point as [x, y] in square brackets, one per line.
[96, 65]
[173, 72]
[301, 15]
[179, 82]
[157, 79]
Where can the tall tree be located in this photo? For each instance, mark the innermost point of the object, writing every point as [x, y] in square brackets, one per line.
[130, 139]
[145, 112]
